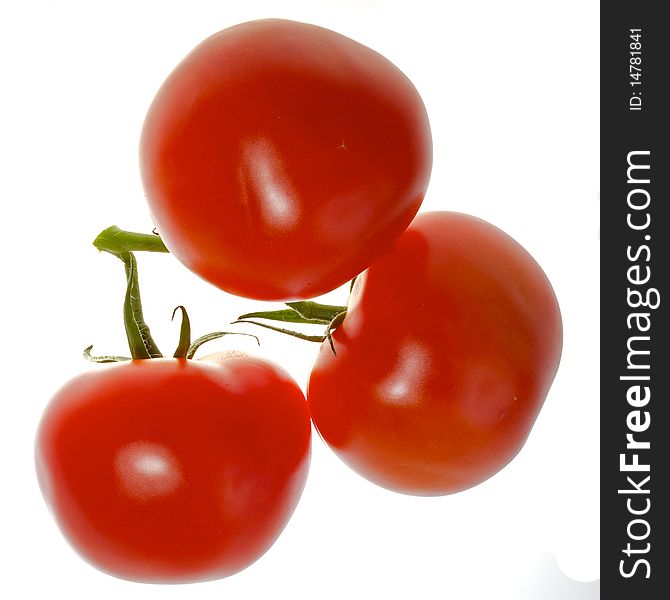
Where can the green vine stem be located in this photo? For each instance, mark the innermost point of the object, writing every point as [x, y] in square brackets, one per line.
[117, 241]
[142, 346]
[122, 244]
[114, 241]
[140, 342]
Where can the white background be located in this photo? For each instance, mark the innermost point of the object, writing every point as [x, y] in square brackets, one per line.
[511, 89]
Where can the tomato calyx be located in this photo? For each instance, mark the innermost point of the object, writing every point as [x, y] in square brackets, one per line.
[123, 243]
[304, 312]
[140, 342]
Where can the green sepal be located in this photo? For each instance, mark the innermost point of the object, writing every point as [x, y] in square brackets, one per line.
[338, 319]
[104, 358]
[296, 334]
[285, 315]
[315, 311]
[305, 312]
[184, 334]
[208, 337]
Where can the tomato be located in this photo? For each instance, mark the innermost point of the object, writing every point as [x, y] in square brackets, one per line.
[174, 470]
[280, 158]
[450, 344]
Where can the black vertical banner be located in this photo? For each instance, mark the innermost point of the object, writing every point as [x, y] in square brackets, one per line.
[635, 300]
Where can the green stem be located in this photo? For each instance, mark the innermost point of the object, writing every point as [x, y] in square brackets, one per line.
[117, 241]
[140, 342]
[122, 244]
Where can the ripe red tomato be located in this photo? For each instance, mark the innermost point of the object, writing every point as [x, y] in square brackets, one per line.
[449, 347]
[280, 158]
[174, 470]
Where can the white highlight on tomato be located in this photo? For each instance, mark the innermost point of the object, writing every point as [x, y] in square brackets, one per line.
[267, 186]
[147, 470]
[406, 375]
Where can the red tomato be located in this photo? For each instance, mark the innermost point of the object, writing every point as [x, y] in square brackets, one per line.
[280, 158]
[449, 347]
[173, 470]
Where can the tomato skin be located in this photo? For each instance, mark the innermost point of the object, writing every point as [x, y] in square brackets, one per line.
[280, 158]
[450, 344]
[172, 471]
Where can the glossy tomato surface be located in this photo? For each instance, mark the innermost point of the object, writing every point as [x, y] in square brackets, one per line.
[167, 470]
[449, 347]
[280, 158]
